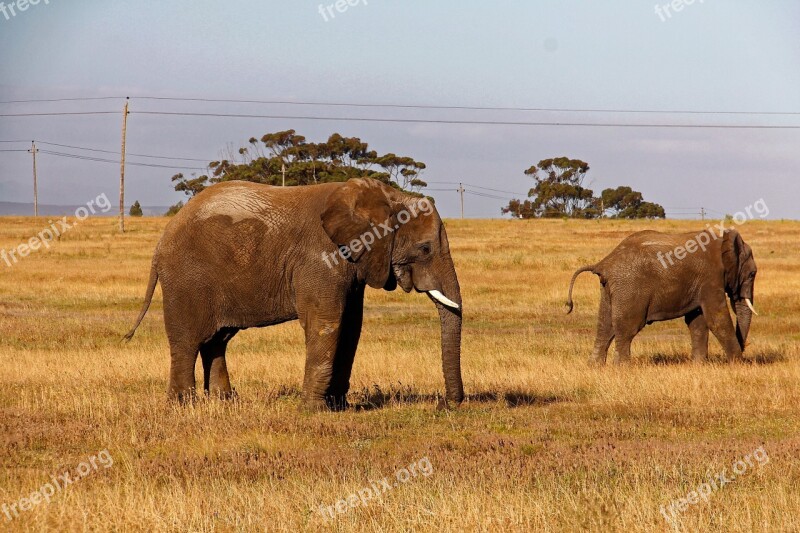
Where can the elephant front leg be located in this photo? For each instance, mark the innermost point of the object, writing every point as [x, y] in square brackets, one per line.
[719, 322]
[322, 341]
[320, 355]
[698, 328]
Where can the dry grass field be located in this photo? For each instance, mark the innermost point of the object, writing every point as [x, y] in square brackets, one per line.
[543, 442]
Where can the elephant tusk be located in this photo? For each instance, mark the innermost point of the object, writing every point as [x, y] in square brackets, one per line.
[442, 299]
[750, 305]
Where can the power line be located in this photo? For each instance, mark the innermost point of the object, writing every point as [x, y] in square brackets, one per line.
[87, 98]
[413, 106]
[483, 195]
[466, 108]
[469, 122]
[479, 187]
[499, 190]
[117, 152]
[58, 114]
[116, 162]
[426, 121]
[110, 151]
[13, 150]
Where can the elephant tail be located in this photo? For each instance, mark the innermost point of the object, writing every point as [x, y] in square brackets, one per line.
[151, 288]
[589, 268]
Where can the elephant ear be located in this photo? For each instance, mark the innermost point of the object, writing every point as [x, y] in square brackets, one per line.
[733, 251]
[356, 209]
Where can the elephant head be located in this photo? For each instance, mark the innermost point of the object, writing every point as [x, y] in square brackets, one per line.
[740, 276]
[393, 239]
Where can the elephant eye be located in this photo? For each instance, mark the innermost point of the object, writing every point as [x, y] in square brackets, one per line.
[425, 249]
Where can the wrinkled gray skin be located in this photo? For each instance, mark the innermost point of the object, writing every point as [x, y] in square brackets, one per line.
[637, 289]
[242, 255]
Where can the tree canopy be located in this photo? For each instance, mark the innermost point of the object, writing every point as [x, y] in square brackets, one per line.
[559, 192]
[624, 202]
[285, 157]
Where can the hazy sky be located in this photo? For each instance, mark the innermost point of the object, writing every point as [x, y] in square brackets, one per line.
[716, 55]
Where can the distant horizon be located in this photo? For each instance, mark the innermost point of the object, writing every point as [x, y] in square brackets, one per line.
[23, 209]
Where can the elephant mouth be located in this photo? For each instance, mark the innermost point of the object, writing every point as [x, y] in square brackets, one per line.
[402, 276]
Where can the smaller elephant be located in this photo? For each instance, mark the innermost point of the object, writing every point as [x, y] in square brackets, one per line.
[654, 276]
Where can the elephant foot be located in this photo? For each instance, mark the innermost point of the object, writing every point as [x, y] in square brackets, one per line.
[595, 362]
[447, 405]
[226, 396]
[316, 405]
[337, 403]
[186, 397]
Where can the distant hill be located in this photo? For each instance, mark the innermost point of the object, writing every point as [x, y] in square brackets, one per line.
[23, 209]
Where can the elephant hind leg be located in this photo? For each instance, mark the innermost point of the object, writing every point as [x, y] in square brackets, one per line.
[605, 330]
[698, 328]
[183, 357]
[623, 346]
[322, 341]
[625, 329]
[216, 381]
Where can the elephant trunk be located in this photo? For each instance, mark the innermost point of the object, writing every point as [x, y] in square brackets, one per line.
[451, 337]
[743, 317]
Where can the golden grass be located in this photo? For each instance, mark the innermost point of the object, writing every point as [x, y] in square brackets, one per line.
[543, 443]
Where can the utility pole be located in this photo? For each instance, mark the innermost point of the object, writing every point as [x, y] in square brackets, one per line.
[122, 169]
[33, 151]
[461, 191]
[283, 173]
[702, 213]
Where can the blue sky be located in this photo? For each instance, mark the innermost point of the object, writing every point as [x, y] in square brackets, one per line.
[712, 55]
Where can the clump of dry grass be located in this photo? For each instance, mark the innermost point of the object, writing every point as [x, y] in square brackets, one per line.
[543, 442]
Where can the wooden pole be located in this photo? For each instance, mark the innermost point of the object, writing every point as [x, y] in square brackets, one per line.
[122, 169]
[33, 151]
[461, 191]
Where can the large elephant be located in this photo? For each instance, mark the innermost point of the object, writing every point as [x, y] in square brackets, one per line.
[654, 276]
[242, 255]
